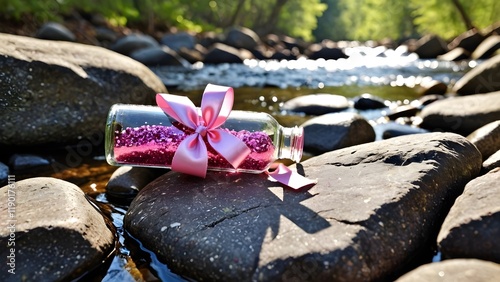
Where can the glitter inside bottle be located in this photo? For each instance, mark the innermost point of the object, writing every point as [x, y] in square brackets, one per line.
[139, 135]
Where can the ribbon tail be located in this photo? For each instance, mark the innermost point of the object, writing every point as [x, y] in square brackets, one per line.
[289, 178]
[228, 146]
[191, 156]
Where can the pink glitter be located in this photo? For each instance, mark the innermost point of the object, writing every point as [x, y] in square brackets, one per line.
[155, 145]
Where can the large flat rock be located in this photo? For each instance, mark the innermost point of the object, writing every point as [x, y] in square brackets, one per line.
[375, 206]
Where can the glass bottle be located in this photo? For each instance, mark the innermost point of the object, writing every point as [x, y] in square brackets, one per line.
[140, 135]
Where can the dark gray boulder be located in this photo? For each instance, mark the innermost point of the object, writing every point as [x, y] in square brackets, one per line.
[58, 235]
[242, 37]
[221, 53]
[368, 101]
[374, 207]
[335, 131]
[27, 161]
[61, 91]
[486, 139]
[127, 181]
[430, 46]
[55, 31]
[472, 228]
[456, 270]
[462, 115]
[468, 40]
[492, 162]
[483, 78]
[159, 56]
[176, 41]
[316, 104]
[133, 42]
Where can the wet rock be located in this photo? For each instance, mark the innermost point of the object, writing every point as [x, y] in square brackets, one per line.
[179, 40]
[432, 87]
[58, 234]
[468, 40]
[221, 53]
[492, 162]
[105, 35]
[368, 101]
[26, 161]
[403, 111]
[481, 79]
[127, 181]
[316, 104]
[456, 270]
[242, 37]
[487, 139]
[462, 115]
[430, 46]
[427, 99]
[158, 56]
[133, 42]
[325, 52]
[62, 91]
[393, 129]
[472, 228]
[487, 48]
[4, 173]
[193, 55]
[55, 31]
[374, 207]
[335, 131]
[455, 55]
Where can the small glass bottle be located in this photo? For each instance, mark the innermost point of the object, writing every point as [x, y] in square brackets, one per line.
[140, 135]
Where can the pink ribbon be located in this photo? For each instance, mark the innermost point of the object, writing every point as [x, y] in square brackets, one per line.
[191, 156]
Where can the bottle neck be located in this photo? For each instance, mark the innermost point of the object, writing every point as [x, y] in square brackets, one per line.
[292, 143]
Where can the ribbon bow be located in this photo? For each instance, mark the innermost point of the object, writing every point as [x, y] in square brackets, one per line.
[191, 156]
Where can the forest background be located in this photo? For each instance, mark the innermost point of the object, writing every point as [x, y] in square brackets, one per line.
[311, 20]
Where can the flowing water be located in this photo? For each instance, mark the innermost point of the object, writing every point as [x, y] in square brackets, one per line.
[259, 86]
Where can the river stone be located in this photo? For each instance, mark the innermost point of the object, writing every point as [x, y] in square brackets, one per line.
[55, 31]
[335, 131]
[127, 181]
[472, 227]
[242, 37]
[26, 161]
[468, 40]
[176, 41]
[455, 270]
[59, 235]
[462, 115]
[221, 53]
[430, 46]
[455, 55]
[487, 139]
[374, 207]
[316, 104]
[158, 56]
[492, 162]
[482, 79]
[487, 48]
[62, 91]
[133, 42]
[368, 101]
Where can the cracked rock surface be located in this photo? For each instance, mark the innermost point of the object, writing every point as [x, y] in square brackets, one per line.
[375, 206]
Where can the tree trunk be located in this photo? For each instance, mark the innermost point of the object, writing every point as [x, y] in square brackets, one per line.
[463, 14]
[269, 24]
[237, 12]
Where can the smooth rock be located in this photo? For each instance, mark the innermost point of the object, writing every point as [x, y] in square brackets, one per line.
[393, 129]
[176, 41]
[486, 139]
[455, 55]
[62, 91]
[127, 181]
[58, 234]
[468, 40]
[462, 115]
[432, 87]
[403, 111]
[242, 37]
[430, 46]
[368, 101]
[105, 35]
[158, 56]
[133, 42]
[25, 161]
[487, 48]
[374, 208]
[4, 173]
[483, 78]
[221, 53]
[428, 99]
[335, 131]
[326, 52]
[455, 270]
[316, 104]
[55, 31]
[492, 162]
[472, 227]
